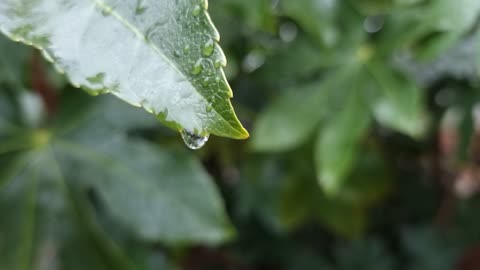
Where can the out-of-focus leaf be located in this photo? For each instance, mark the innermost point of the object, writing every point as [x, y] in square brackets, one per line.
[316, 17]
[369, 180]
[293, 117]
[303, 202]
[429, 250]
[455, 62]
[306, 260]
[436, 25]
[13, 60]
[337, 144]
[17, 232]
[258, 195]
[168, 60]
[344, 219]
[280, 127]
[364, 254]
[258, 14]
[381, 7]
[173, 199]
[397, 102]
[286, 69]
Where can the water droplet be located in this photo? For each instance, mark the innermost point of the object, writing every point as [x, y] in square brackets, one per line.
[177, 53]
[209, 108]
[207, 49]
[253, 61]
[206, 82]
[204, 4]
[106, 13]
[213, 99]
[288, 32]
[373, 24]
[186, 49]
[194, 141]
[196, 10]
[220, 62]
[197, 68]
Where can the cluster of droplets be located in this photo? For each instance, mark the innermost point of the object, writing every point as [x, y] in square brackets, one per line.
[194, 141]
[207, 50]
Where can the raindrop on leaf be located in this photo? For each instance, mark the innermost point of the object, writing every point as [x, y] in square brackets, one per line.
[207, 49]
[193, 141]
[197, 68]
[196, 10]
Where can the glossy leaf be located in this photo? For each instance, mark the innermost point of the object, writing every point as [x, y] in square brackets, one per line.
[161, 55]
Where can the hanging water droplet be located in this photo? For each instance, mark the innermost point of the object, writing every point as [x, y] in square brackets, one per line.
[196, 10]
[194, 141]
[197, 68]
[207, 49]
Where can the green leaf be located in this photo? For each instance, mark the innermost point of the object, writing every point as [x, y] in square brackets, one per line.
[293, 117]
[336, 147]
[257, 14]
[435, 26]
[317, 18]
[369, 253]
[397, 102]
[302, 202]
[173, 199]
[17, 231]
[161, 55]
[12, 64]
[429, 249]
[369, 180]
[284, 124]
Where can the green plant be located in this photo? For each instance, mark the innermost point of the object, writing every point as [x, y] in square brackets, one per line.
[362, 134]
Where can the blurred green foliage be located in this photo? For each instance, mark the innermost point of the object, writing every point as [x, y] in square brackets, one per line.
[348, 165]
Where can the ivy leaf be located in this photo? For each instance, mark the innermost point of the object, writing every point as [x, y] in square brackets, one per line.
[161, 55]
